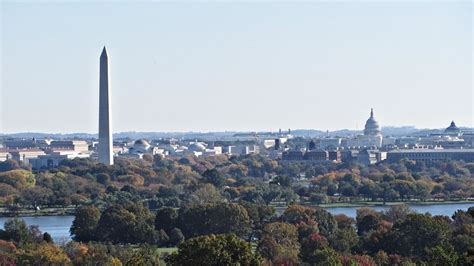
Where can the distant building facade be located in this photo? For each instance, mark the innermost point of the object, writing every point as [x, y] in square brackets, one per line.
[431, 155]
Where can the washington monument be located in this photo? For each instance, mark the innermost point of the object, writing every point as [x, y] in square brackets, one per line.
[105, 130]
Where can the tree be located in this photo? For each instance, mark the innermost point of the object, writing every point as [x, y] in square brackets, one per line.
[220, 218]
[279, 240]
[326, 222]
[331, 190]
[344, 239]
[345, 236]
[214, 177]
[84, 225]
[397, 213]
[42, 254]
[166, 218]
[103, 178]
[130, 224]
[19, 179]
[417, 234]
[34, 234]
[310, 244]
[207, 194]
[443, 255]
[47, 238]
[367, 223]
[258, 213]
[144, 256]
[318, 198]
[17, 231]
[325, 256]
[284, 181]
[405, 188]
[37, 196]
[214, 250]
[297, 214]
[175, 236]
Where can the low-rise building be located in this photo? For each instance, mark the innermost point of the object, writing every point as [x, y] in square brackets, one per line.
[53, 159]
[431, 155]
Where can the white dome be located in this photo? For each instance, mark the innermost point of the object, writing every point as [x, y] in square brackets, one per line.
[197, 147]
[372, 127]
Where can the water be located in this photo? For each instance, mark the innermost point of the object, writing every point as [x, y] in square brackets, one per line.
[441, 209]
[58, 226]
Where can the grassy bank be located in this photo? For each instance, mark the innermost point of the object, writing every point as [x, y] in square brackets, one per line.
[377, 203]
[4, 212]
[381, 203]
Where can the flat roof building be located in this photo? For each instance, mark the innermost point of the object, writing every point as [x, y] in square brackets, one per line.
[431, 155]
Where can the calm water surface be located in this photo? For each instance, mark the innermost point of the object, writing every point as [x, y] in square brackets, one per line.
[58, 226]
[441, 209]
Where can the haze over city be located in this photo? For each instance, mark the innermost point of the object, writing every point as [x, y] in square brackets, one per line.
[236, 66]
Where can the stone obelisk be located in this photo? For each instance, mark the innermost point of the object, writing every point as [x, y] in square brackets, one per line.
[105, 127]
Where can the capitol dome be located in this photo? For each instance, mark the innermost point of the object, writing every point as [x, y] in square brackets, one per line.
[372, 127]
[452, 129]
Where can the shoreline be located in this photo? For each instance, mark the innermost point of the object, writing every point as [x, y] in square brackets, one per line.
[381, 204]
[357, 204]
[369, 204]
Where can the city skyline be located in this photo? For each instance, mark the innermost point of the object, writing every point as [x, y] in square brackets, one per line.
[301, 82]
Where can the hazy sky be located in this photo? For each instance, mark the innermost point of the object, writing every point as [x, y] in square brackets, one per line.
[236, 66]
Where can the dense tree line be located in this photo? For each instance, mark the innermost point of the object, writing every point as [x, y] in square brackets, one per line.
[131, 235]
[221, 205]
[176, 182]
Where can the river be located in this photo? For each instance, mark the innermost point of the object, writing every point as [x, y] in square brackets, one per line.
[58, 226]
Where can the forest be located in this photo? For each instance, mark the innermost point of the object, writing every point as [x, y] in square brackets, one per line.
[222, 210]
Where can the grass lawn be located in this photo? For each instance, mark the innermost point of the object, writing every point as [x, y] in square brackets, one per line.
[167, 250]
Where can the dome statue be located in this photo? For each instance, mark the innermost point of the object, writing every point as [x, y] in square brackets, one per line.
[372, 127]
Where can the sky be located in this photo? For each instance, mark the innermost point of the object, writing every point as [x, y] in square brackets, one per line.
[236, 66]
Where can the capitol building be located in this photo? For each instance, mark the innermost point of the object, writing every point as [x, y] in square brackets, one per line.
[372, 134]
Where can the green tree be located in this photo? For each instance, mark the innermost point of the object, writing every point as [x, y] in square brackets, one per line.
[345, 236]
[214, 250]
[367, 223]
[103, 178]
[84, 225]
[310, 244]
[417, 234]
[443, 256]
[214, 177]
[326, 256]
[220, 218]
[47, 238]
[17, 231]
[129, 224]
[175, 236]
[166, 219]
